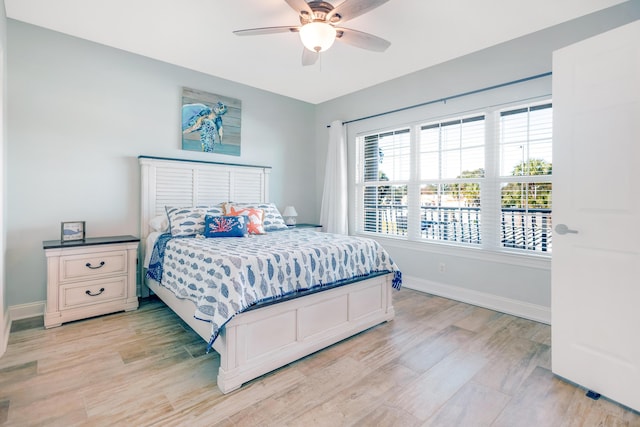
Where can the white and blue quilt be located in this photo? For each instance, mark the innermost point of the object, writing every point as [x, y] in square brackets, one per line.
[225, 276]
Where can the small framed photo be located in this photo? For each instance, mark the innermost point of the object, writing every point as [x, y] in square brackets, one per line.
[72, 231]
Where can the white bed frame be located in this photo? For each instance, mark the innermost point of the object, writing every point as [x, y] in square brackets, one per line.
[261, 340]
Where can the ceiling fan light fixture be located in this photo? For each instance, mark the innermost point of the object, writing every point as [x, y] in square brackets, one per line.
[317, 36]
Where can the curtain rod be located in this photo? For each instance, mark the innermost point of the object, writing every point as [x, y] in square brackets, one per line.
[473, 92]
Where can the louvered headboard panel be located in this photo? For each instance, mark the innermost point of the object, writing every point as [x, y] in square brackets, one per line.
[173, 182]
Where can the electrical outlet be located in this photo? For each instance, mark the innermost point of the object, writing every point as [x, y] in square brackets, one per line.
[442, 267]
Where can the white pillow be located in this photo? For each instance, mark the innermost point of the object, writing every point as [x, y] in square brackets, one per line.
[159, 223]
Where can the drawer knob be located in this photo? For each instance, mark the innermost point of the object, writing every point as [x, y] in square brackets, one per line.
[88, 292]
[94, 268]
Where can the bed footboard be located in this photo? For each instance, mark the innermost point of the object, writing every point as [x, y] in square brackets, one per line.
[262, 340]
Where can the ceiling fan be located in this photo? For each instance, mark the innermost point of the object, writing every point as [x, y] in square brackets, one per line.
[318, 28]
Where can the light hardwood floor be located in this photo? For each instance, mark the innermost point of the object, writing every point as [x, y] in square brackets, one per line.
[438, 363]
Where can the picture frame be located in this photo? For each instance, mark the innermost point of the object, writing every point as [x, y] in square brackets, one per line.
[211, 123]
[71, 231]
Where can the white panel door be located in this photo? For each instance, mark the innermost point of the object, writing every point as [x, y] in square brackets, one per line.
[596, 168]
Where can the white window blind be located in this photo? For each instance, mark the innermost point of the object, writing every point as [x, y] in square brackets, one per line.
[525, 175]
[451, 172]
[385, 174]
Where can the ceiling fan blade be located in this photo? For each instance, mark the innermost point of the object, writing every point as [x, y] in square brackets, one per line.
[350, 9]
[266, 30]
[362, 40]
[299, 6]
[309, 57]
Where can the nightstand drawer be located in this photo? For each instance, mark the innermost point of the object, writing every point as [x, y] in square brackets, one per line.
[92, 265]
[92, 292]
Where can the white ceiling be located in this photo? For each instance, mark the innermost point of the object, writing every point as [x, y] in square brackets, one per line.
[197, 34]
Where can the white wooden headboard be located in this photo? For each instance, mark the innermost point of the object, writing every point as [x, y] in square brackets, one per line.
[174, 182]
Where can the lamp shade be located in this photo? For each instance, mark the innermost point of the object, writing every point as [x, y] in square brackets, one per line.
[317, 36]
[289, 214]
[289, 211]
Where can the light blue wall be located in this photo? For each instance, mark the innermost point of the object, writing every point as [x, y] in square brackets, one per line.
[4, 312]
[81, 113]
[500, 276]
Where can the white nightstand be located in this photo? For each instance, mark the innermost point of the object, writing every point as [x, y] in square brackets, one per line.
[90, 277]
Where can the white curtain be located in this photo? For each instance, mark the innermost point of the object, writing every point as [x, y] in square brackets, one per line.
[333, 213]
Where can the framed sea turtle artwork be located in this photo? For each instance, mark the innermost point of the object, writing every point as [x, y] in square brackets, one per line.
[210, 122]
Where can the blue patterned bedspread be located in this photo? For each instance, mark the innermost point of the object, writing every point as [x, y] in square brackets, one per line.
[225, 276]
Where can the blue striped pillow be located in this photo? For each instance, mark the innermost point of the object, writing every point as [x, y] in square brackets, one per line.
[189, 221]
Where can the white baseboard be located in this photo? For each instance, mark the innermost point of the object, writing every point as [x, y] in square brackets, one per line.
[518, 308]
[26, 311]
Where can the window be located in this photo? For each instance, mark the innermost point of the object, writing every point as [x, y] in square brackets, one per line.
[451, 171]
[386, 174]
[525, 175]
[472, 181]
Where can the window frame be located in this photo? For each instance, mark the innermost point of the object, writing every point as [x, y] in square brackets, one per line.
[490, 245]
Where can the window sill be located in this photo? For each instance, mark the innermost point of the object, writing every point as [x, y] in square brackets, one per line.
[529, 260]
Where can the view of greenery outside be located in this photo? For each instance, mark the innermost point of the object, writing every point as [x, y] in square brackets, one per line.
[532, 195]
[469, 192]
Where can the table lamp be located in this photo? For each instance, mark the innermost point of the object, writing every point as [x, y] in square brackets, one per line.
[290, 215]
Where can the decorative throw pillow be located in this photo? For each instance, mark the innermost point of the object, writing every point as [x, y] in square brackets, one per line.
[225, 226]
[255, 218]
[189, 221]
[272, 218]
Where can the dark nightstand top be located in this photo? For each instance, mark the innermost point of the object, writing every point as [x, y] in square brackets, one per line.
[303, 225]
[89, 241]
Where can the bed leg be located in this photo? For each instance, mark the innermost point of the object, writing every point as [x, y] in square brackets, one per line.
[226, 386]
